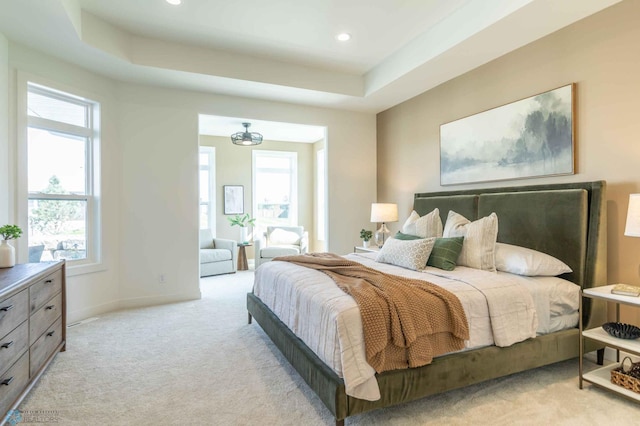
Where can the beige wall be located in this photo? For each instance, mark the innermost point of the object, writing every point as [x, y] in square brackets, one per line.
[234, 167]
[600, 54]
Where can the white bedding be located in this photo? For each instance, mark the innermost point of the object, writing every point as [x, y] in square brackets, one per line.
[501, 309]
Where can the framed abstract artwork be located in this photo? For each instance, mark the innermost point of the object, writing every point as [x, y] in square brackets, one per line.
[233, 199]
[532, 137]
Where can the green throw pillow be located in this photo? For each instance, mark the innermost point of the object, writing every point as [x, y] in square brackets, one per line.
[400, 236]
[445, 253]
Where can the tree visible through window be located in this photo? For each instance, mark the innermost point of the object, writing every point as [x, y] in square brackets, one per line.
[60, 144]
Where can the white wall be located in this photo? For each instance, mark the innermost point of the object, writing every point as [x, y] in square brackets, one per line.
[4, 131]
[97, 292]
[150, 180]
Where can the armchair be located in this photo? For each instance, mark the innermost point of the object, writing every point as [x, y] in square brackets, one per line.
[217, 255]
[281, 241]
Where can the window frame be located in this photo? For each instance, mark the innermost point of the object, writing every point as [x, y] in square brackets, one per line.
[211, 169]
[93, 262]
[293, 212]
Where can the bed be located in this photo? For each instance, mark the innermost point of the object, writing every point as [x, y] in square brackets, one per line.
[567, 221]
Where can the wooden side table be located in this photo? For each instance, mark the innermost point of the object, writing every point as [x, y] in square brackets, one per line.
[243, 265]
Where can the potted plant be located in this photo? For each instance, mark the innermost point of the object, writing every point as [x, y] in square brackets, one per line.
[7, 252]
[366, 235]
[243, 221]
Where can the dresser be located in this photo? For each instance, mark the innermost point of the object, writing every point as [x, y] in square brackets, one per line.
[32, 326]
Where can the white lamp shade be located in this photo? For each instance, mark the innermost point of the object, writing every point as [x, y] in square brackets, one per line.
[633, 216]
[384, 212]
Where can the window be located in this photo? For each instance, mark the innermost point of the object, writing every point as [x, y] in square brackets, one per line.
[275, 188]
[321, 195]
[207, 188]
[62, 138]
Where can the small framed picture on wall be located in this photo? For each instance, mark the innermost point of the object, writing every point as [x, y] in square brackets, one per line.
[233, 199]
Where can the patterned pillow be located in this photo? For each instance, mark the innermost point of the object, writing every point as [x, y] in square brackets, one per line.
[445, 253]
[406, 254]
[426, 226]
[479, 247]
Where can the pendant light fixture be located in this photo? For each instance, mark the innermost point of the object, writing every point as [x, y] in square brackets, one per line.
[246, 138]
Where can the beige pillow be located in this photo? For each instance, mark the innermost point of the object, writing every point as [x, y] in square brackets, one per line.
[479, 247]
[426, 226]
[529, 262]
[281, 236]
[411, 254]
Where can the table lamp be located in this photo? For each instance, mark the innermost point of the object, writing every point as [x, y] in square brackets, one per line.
[633, 216]
[382, 213]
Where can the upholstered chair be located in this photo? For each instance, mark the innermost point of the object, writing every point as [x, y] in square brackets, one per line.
[281, 241]
[217, 255]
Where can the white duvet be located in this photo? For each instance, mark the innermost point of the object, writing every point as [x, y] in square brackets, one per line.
[501, 309]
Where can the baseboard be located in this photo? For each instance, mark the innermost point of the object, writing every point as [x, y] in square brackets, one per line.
[80, 314]
[139, 302]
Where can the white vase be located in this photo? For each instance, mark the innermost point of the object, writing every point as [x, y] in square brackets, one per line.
[244, 234]
[7, 255]
[365, 244]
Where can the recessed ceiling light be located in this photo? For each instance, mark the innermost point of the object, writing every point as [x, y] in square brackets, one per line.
[174, 2]
[343, 37]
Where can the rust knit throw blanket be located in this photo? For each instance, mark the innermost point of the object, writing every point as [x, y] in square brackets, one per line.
[406, 322]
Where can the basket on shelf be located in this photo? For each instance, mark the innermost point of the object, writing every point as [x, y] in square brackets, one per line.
[627, 377]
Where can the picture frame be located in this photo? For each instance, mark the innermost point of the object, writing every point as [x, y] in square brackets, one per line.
[532, 137]
[233, 199]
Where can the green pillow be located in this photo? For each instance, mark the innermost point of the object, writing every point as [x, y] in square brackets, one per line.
[400, 236]
[445, 253]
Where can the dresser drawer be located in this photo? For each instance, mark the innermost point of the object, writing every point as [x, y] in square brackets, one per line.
[13, 311]
[45, 346]
[44, 317]
[12, 382]
[13, 345]
[44, 289]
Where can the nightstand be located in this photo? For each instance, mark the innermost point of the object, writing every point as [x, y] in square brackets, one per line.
[602, 376]
[371, 249]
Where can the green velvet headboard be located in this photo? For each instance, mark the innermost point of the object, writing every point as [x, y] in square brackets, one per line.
[567, 221]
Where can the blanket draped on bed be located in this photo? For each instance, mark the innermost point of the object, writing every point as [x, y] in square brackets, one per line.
[406, 322]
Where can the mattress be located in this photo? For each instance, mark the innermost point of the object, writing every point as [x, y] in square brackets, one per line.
[328, 321]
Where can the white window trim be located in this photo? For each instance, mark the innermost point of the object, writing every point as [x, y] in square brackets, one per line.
[95, 262]
[211, 153]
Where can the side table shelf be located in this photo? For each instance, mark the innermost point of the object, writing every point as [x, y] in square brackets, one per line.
[602, 376]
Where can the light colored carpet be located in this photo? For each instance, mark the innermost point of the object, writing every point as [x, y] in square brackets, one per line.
[200, 363]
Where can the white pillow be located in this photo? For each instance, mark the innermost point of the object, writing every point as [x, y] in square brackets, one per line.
[524, 261]
[281, 236]
[411, 254]
[426, 226]
[479, 246]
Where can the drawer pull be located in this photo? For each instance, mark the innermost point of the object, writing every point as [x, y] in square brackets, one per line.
[6, 308]
[6, 345]
[51, 333]
[48, 308]
[48, 281]
[7, 382]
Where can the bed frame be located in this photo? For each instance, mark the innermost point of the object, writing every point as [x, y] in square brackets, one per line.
[567, 221]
